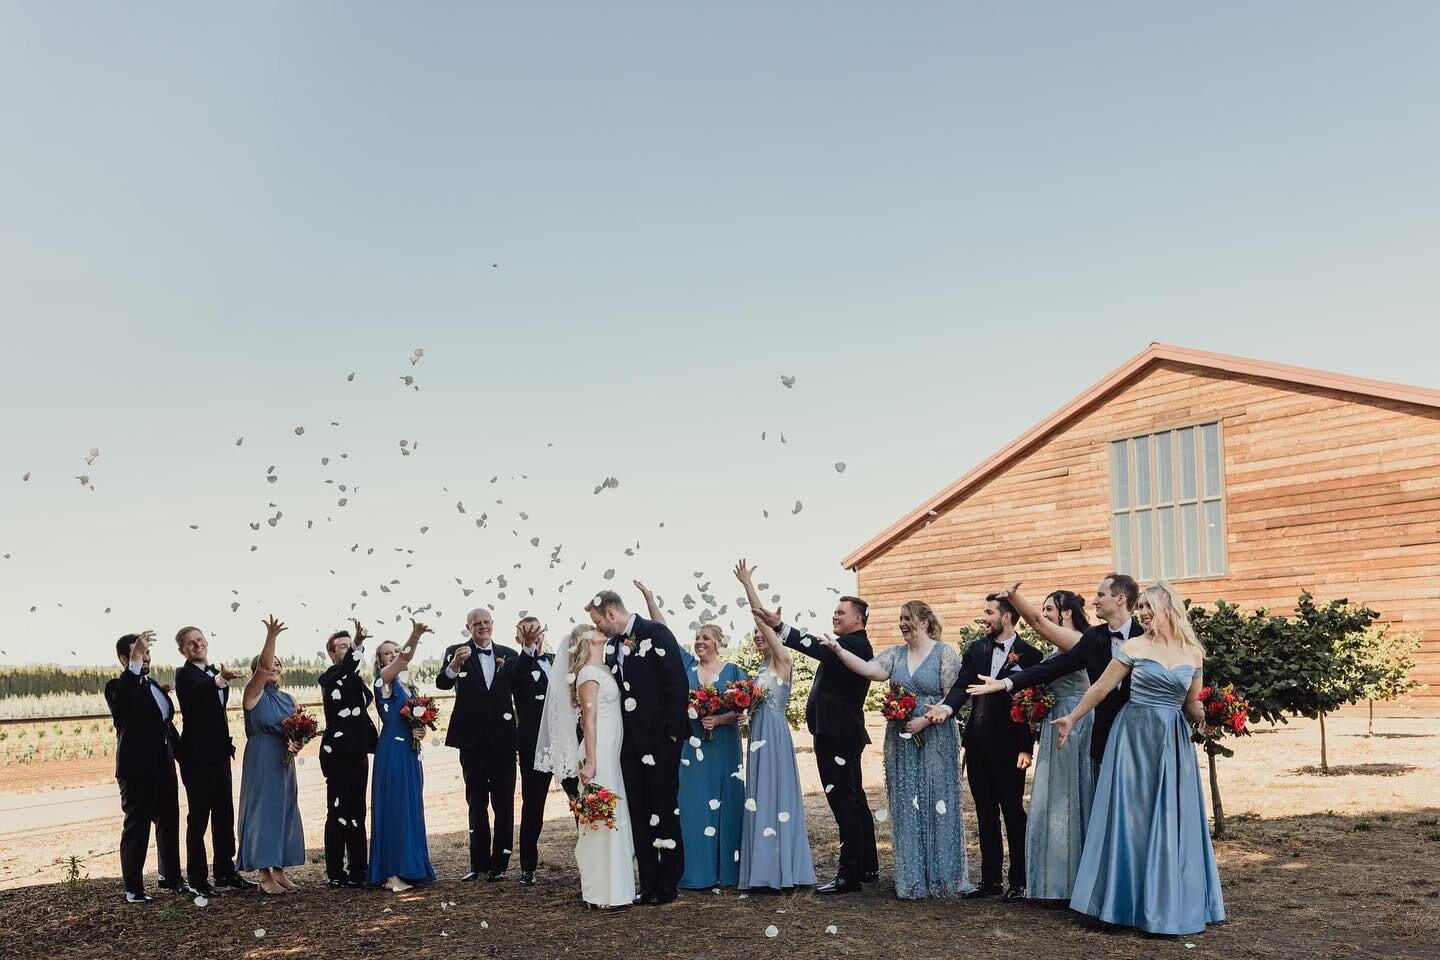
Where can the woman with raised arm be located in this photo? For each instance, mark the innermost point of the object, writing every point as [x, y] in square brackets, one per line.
[1064, 779]
[922, 763]
[774, 844]
[711, 796]
[399, 850]
[1147, 861]
[271, 835]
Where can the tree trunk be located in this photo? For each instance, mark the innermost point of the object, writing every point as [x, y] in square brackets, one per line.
[1217, 807]
[1370, 726]
[1324, 763]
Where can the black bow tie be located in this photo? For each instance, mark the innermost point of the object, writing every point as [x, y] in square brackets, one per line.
[998, 644]
[211, 670]
[485, 651]
[1117, 635]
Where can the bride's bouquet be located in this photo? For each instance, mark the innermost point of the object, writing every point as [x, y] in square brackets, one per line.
[595, 806]
[299, 728]
[705, 701]
[419, 712]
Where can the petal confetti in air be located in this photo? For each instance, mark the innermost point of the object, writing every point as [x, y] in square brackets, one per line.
[789, 382]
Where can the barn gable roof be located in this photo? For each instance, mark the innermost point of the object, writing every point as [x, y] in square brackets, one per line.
[1116, 381]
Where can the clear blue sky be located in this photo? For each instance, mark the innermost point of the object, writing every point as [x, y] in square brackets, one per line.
[612, 228]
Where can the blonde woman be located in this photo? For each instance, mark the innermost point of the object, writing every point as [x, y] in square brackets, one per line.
[711, 796]
[399, 850]
[605, 857]
[1147, 861]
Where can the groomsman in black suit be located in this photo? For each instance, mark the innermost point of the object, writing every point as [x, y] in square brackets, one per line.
[145, 742]
[997, 749]
[835, 714]
[1115, 600]
[345, 750]
[482, 728]
[655, 696]
[531, 684]
[205, 754]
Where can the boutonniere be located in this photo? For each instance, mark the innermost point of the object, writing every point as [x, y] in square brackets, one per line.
[628, 641]
[500, 662]
[165, 687]
[1013, 659]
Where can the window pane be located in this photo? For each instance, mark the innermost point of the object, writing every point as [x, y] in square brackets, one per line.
[1120, 475]
[1144, 544]
[1123, 557]
[1168, 559]
[1186, 440]
[1210, 443]
[1142, 471]
[1164, 469]
[1215, 537]
[1190, 540]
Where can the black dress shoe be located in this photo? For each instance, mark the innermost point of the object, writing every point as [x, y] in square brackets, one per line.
[871, 876]
[470, 877]
[354, 884]
[236, 882]
[527, 878]
[176, 886]
[839, 885]
[204, 889]
[137, 897]
[335, 883]
[495, 875]
[660, 899]
[984, 890]
[1014, 894]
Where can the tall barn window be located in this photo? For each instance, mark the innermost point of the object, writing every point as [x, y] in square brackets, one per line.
[1167, 502]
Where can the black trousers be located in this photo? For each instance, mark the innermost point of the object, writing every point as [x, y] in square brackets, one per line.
[845, 792]
[534, 787]
[212, 803]
[654, 792]
[489, 781]
[998, 788]
[148, 800]
[346, 776]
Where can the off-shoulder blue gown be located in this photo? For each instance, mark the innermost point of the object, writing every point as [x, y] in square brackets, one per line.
[1148, 862]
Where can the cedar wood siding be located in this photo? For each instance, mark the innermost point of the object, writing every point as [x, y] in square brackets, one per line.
[1330, 491]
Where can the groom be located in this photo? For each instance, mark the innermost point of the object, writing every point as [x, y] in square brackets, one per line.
[655, 696]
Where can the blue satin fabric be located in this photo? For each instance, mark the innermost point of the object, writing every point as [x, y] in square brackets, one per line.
[1147, 861]
[1060, 797]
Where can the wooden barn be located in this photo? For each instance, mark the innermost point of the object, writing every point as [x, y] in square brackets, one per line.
[1233, 478]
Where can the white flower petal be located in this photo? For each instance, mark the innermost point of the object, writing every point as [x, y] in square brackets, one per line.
[829, 787]
[832, 929]
[629, 704]
[709, 831]
[839, 761]
[259, 932]
[772, 931]
[940, 807]
[699, 755]
[507, 716]
[881, 816]
[694, 741]
[692, 715]
[783, 817]
[768, 832]
[756, 745]
[750, 804]
[201, 902]
[648, 760]
[714, 804]
[654, 819]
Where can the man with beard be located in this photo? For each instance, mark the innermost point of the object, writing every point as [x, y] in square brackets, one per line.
[345, 750]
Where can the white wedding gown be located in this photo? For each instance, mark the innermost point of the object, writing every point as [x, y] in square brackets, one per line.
[607, 857]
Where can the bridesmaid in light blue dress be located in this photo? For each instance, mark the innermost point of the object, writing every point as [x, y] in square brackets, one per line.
[711, 798]
[774, 844]
[1064, 785]
[922, 782]
[1148, 862]
[271, 835]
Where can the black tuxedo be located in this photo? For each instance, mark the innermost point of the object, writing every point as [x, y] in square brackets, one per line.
[1092, 654]
[205, 754]
[145, 742]
[835, 714]
[482, 727]
[655, 700]
[345, 747]
[993, 743]
[530, 682]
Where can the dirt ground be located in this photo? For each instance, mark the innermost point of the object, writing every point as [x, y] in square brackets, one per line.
[1314, 866]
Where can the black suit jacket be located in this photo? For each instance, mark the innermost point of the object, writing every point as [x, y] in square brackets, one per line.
[145, 738]
[655, 680]
[205, 734]
[530, 685]
[836, 707]
[483, 716]
[343, 691]
[990, 729]
[1091, 653]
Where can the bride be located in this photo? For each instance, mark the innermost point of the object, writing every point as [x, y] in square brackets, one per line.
[605, 857]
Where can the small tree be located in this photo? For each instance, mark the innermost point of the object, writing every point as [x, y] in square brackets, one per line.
[1389, 658]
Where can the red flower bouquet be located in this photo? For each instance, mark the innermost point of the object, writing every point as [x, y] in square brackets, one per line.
[1031, 706]
[706, 701]
[898, 707]
[299, 728]
[420, 712]
[743, 694]
[595, 806]
[1226, 714]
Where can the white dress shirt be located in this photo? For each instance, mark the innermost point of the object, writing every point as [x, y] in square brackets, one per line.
[538, 652]
[161, 701]
[620, 649]
[998, 655]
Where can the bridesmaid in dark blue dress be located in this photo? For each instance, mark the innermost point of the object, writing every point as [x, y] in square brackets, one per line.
[712, 798]
[271, 835]
[1147, 861]
[399, 851]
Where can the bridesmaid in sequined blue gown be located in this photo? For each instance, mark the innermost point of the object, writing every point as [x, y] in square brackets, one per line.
[1064, 785]
[922, 780]
[1148, 862]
